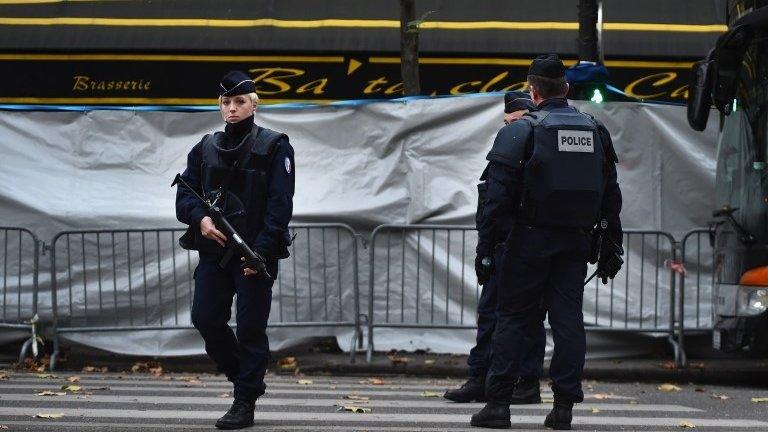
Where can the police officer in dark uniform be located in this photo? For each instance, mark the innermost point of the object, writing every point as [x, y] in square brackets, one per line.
[551, 178]
[516, 104]
[254, 168]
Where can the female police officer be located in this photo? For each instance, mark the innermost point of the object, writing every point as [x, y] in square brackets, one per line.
[253, 168]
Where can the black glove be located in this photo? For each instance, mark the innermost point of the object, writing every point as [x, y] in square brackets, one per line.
[483, 268]
[610, 261]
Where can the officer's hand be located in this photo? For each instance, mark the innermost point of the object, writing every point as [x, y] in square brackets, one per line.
[610, 261]
[209, 231]
[482, 271]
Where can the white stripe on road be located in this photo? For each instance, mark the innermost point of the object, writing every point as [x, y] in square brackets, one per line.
[261, 427]
[271, 401]
[262, 416]
[296, 389]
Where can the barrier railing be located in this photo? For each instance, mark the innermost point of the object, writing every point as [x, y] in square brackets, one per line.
[18, 281]
[118, 280]
[696, 284]
[441, 260]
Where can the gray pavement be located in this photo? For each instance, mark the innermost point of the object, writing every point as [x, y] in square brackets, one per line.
[129, 402]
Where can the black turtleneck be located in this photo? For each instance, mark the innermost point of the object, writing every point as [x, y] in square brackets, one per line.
[235, 132]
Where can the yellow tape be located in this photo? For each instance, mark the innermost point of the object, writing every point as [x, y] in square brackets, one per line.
[355, 23]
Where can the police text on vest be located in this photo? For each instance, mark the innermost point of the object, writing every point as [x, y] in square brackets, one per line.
[575, 141]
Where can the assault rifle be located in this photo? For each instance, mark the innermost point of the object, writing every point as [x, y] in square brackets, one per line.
[251, 258]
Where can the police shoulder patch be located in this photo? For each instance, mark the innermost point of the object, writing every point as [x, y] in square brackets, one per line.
[288, 165]
[576, 141]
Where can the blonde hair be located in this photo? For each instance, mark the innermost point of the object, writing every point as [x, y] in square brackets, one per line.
[254, 98]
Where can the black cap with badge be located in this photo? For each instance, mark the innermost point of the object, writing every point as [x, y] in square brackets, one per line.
[517, 101]
[547, 66]
[236, 83]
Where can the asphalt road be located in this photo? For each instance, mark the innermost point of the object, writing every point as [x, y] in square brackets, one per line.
[113, 402]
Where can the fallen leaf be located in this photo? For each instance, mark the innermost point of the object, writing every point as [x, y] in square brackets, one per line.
[90, 369]
[49, 415]
[3, 427]
[429, 362]
[595, 410]
[374, 381]
[357, 397]
[50, 393]
[47, 376]
[73, 379]
[354, 409]
[719, 396]
[687, 424]
[396, 359]
[430, 394]
[194, 383]
[668, 365]
[3, 376]
[668, 388]
[633, 402]
[333, 387]
[601, 396]
[304, 382]
[71, 388]
[224, 395]
[287, 363]
[759, 399]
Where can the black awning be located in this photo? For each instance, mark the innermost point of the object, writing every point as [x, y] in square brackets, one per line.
[498, 27]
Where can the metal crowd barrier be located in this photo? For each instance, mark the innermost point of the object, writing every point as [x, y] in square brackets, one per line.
[20, 266]
[403, 296]
[696, 283]
[137, 280]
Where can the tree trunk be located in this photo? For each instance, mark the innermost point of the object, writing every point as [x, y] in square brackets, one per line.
[587, 41]
[409, 48]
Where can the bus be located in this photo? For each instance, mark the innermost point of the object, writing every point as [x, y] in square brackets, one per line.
[734, 78]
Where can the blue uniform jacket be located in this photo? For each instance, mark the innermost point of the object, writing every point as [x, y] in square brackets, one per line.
[279, 199]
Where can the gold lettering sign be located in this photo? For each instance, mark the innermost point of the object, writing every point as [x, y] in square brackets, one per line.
[84, 83]
[655, 81]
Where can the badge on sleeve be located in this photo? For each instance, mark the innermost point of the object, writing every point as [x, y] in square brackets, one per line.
[287, 165]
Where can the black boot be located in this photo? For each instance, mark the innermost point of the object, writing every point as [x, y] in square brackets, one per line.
[239, 416]
[526, 392]
[560, 417]
[493, 415]
[472, 390]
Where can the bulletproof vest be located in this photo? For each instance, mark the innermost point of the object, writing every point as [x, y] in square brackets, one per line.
[242, 172]
[564, 177]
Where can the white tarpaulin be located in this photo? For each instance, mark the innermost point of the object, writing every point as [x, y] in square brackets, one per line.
[411, 162]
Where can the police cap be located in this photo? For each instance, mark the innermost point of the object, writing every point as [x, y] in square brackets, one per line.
[236, 83]
[517, 101]
[548, 66]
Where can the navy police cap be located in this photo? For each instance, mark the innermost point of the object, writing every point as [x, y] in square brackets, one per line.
[236, 83]
[517, 101]
[548, 66]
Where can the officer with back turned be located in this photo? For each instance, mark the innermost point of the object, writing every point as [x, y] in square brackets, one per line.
[516, 104]
[552, 178]
[252, 168]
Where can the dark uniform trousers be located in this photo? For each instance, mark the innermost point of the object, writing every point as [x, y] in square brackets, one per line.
[242, 357]
[549, 265]
[479, 360]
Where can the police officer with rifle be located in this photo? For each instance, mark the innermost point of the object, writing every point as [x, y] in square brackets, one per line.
[236, 195]
[552, 179]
